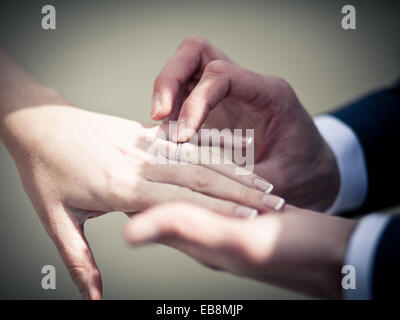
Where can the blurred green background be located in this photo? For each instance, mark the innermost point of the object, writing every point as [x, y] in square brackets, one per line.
[104, 56]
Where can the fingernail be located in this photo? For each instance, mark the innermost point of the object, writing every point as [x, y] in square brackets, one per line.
[85, 295]
[273, 202]
[263, 185]
[245, 212]
[156, 105]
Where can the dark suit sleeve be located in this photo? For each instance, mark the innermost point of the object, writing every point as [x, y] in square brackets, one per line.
[375, 119]
[386, 270]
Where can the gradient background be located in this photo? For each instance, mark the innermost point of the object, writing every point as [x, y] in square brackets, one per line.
[104, 56]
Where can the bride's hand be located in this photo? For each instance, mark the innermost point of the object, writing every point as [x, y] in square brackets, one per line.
[76, 165]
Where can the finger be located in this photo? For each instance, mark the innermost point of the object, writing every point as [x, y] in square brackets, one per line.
[179, 98]
[177, 104]
[166, 219]
[209, 137]
[172, 79]
[190, 58]
[153, 193]
[68, 236]
[196, 231]
[223, 139]
[215, 160]
[212, 183]
[220, 80]
[220, 138]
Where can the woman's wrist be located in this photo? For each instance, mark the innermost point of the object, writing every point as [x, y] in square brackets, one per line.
[16, 113]
[19, 90]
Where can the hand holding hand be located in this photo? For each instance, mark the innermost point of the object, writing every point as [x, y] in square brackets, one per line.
[199, 85]
[77, 165]
[297, 249]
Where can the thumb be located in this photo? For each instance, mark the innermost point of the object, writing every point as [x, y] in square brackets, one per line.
[178, 223]
[220, 80]
[68, 236]
[210, 238]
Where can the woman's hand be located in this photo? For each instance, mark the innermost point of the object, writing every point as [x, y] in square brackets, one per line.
[76, 165]
[296, 249]
[200, 85]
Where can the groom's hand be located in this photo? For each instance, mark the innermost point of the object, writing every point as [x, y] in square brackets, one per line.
[201, 85]
[275, 248]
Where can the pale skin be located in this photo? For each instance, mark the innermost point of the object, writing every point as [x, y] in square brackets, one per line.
[76, 165]
[200, 85]
[297, 249]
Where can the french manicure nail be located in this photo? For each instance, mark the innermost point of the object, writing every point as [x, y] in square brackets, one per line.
[156, 105]
[273, 202]
[263, 185]
[245, 212]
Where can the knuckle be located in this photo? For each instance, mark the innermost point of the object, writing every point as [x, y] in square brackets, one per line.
[218, 68]
[281, 83]
[116, 186]
[202, 178]
[283, 89]
[194, 40]
[77, 272]
[80, 272]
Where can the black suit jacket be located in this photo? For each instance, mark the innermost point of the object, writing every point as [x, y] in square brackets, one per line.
[375, 119]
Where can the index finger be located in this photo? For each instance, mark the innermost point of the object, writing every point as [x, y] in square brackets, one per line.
[192, 56]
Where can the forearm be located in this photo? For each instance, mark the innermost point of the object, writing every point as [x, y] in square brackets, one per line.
[18, 89]
[19, 92]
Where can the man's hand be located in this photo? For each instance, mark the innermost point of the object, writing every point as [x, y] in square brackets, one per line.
[297, 249]
[199, 85]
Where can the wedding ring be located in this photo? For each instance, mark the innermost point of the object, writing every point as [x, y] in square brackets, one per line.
[178, 152]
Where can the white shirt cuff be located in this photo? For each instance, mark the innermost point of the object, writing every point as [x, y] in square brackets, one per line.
[351, 163]
[361, 255]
